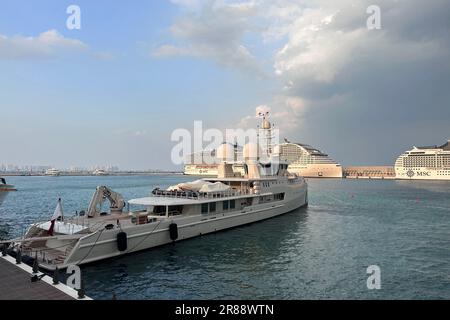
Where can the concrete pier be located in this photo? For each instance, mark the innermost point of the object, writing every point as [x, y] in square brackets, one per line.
[16, 284]
[372, 172]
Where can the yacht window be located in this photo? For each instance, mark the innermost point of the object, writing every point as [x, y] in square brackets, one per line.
[204, 208]
[212, 207]
[226, 205]
[175, 210]
[159, 210]
[232, 204]
[279, 196]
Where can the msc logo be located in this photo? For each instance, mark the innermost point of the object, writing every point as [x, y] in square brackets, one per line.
[422, 174]
[410, 173]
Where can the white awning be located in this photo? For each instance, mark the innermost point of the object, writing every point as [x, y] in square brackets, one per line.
[172, 201]
[215, 187]
[162, 201]
[62, 227]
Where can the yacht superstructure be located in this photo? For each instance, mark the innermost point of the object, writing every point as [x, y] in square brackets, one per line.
[307, 161]
[424, 163]
[303, 160]
[176, 213]
[5, 189]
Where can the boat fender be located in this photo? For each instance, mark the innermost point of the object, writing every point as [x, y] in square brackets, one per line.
[173, 230]
[122, 241]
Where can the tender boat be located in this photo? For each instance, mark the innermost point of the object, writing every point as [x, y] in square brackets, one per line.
[5, 189]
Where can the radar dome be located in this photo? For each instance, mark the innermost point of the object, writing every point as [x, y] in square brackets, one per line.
[251, 151]
[225, 152]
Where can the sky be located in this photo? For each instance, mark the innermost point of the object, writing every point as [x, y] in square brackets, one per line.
[113, 91]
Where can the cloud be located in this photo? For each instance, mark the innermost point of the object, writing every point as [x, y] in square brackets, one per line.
[262, 109]
[47, 44]
[215, 32]
[286, 112]
[328, 39]
[131, 133]
[191, 4]
[333, 79]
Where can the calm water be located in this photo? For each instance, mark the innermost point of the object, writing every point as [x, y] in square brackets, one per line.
[321, 252]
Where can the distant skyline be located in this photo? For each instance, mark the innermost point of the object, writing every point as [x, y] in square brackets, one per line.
[113, 91]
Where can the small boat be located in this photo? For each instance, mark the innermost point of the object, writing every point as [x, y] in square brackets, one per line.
[100, 172]
[5, 189]
[52, 172]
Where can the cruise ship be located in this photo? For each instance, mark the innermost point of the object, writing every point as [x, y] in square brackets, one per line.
[168, 215]
[307, 161]
[211, 170]
[424, 163]
[5, 189]
[205, 163]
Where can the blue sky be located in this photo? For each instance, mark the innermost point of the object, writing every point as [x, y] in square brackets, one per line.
[114, 91]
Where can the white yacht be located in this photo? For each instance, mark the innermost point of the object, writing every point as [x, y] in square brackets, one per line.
[177, 213]
[52, 172]
[307, 161]
[100, 172]
[424, 163]
[5, 189]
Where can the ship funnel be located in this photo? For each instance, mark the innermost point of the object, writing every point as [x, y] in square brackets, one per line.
[225, 152]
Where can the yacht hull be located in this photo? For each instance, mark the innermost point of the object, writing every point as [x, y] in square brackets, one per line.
[103, 244]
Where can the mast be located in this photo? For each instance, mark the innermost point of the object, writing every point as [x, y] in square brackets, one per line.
[265, 133]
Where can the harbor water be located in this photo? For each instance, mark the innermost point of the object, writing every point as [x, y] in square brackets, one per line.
[319, 252]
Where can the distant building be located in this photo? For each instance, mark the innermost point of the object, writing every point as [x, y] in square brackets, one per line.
[369, 172]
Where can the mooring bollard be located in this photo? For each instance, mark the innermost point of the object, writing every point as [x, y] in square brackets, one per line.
[81, 292]
[19, 257]
[35, 265]
[56, 276]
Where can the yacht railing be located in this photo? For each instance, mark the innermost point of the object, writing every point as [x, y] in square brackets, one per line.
[193, 195]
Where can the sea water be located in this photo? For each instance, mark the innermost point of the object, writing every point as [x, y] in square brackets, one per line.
[319, 252]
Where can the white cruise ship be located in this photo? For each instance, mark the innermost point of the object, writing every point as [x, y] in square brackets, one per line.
[52, 172]
[205, 163]
[424, 163]
[307, 161]
[211, 170]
